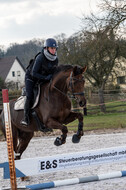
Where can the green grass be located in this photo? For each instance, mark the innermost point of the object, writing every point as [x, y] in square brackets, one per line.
[111, 120]
[110, 107]
[101, 121]
[115, 117]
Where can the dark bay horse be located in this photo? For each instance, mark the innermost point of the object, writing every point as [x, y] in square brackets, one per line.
[53, 109]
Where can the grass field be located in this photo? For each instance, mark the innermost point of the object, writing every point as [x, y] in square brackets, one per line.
[102, 121]
[115, 117]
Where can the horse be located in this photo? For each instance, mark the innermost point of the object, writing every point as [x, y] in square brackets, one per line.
[53, 108]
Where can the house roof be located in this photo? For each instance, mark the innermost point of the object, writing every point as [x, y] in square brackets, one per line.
[5, 65]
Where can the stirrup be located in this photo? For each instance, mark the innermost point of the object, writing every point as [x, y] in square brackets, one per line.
[24, 122]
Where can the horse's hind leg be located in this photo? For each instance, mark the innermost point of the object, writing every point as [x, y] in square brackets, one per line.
[24, 139]
[72, 116]
[56, 125]
[2, 124]
[14, 131]
[15, 138]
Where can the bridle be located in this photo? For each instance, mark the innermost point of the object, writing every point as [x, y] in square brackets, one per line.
[71, 86]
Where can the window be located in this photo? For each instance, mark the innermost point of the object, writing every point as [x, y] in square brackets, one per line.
[121, 80]
[13, 73]
[18, 73]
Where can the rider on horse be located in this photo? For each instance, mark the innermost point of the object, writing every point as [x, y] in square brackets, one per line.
[42, 70]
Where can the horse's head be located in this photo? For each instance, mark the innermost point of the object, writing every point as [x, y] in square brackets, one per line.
[70, 78]
[76, 83]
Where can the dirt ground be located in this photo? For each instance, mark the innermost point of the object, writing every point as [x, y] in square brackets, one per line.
[44, 146]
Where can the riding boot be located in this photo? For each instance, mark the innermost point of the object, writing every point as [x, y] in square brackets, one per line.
[26, 121]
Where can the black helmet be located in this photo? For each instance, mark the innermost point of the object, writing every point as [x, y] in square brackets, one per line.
[50, 42]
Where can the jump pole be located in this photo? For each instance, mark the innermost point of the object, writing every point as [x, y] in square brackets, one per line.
[9, 139]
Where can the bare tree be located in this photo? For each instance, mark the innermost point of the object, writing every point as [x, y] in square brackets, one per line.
[115, 12]
[99, 51]
[100, 45]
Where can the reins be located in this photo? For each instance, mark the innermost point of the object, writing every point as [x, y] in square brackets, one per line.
[59, 90]
[71, 86]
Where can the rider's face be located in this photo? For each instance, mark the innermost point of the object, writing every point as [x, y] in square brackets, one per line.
[52, 50]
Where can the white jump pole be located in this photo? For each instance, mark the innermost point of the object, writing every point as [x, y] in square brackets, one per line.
[9, 139]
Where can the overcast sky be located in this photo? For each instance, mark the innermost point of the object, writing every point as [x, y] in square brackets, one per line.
[22, 20]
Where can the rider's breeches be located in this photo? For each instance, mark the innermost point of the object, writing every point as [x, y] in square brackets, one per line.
[29, 84]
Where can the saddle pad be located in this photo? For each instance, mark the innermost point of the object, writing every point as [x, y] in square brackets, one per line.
[19, 104]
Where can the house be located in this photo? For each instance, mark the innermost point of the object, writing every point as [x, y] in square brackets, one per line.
[12, 71]
[119, 76]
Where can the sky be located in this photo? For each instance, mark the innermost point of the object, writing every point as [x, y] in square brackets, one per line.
[23, 20]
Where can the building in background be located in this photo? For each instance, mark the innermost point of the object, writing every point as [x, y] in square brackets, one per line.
[12, 72]
[119, 73]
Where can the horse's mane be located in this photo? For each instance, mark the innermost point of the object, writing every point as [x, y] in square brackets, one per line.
[63, 68]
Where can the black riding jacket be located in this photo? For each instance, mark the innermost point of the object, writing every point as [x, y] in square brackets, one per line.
[43, 67]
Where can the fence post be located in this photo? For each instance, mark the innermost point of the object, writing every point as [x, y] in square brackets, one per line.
[9, 139]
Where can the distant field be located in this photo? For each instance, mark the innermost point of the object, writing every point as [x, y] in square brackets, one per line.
[115, 117]
[110, 107]
[102, 121]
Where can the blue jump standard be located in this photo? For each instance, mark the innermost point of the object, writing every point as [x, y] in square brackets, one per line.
[77, 180]
[5, 166]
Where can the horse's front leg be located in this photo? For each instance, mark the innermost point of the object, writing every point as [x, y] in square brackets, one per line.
[72, 116]
[54, 124]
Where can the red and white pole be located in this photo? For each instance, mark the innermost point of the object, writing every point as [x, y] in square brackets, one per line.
[9, 139]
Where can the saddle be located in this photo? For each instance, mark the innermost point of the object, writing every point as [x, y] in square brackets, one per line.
[20, 102]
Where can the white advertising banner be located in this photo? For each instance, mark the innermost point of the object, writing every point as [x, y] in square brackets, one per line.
[36, 166]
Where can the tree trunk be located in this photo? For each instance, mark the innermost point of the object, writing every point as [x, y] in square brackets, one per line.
[101, 100]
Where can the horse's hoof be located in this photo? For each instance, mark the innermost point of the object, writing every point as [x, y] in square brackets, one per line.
[75, 138]
[58, 141]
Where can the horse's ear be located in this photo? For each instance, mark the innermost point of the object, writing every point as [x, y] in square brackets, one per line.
[84, 69]
[78, 70]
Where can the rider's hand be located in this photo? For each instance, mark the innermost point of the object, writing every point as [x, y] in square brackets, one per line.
[48, 77]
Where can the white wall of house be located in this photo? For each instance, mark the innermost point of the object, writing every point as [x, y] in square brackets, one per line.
[120, 78]
[16, 74]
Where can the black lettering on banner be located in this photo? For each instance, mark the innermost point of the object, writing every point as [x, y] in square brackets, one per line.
[54, 163]
[48, 165]
[122, 152]
[42, 165]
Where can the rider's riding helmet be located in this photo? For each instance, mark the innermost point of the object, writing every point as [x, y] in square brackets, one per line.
[50, 42]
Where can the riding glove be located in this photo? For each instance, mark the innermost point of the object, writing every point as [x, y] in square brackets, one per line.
[48, 77]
